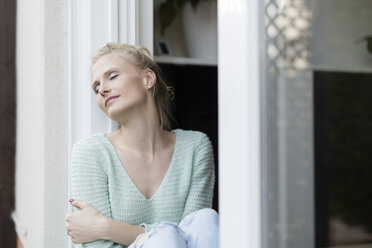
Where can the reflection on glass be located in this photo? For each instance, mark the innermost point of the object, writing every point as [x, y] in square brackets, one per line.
[318, 123]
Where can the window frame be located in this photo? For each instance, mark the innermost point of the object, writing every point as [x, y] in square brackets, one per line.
[240, 190]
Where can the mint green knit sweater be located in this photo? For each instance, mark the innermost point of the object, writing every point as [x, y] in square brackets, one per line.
[98, 177]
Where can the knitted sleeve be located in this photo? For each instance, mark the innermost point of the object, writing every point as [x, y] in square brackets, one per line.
[89, 184]
[203, 178]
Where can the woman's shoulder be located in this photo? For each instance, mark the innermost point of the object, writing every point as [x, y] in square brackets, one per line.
[87, 155]
[193, 137]
[196, 144]
[91, 142]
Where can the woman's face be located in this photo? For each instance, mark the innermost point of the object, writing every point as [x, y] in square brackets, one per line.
[119, 86]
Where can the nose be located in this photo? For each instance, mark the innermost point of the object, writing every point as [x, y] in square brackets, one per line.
[103, 89]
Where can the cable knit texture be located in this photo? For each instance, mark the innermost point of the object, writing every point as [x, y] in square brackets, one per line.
[98, 177]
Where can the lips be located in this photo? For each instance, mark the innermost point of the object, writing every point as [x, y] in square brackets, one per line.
[109, 98]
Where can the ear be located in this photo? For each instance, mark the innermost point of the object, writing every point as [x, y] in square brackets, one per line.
[150, 78]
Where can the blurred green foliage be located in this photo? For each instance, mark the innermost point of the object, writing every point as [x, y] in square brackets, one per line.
[368, 40]
[170, 9]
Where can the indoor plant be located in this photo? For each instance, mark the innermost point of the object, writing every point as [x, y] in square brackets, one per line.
[170, 9]
[199, 25]
[368, 40]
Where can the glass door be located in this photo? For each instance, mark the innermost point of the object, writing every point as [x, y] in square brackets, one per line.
[317, 81]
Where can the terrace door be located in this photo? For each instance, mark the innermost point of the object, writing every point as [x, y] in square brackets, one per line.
[318, 123]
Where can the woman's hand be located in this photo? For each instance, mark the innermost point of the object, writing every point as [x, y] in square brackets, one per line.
[85, 225]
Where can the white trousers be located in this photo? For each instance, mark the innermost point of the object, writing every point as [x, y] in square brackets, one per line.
[199, 229]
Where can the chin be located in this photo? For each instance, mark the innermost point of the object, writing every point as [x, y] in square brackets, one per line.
[117, 113]
[115, 116]
[121, 110]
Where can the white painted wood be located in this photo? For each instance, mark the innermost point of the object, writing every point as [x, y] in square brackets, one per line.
[133, 17]
[136, 23]
[239, 124]
[79, 69]
[184, 60]
[129, 16]
[123, 21]
[146, 24]
[113, 16]
[101, 18]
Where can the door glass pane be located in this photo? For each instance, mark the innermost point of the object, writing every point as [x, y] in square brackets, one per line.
[318, 123]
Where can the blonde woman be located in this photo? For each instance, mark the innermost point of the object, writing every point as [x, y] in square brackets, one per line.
[143, 185]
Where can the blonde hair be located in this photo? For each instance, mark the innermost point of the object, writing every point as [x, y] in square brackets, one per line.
[141, 58]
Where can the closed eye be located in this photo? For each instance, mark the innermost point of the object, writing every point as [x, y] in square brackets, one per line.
[113, 76]
[97, 86]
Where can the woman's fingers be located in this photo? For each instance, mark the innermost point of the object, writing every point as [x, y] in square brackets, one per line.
[84, 225]
[79, 204]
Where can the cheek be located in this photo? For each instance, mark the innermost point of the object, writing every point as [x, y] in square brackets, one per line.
[100, 103]
[133, 89]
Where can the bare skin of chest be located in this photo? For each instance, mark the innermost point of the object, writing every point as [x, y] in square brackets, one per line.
[147, 173]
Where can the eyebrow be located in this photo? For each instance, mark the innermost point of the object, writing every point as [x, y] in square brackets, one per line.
[105, 75]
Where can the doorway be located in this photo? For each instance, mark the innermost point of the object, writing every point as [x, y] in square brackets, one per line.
[318, 79]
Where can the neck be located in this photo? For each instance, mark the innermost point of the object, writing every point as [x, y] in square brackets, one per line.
[145, 139]
[141, 133]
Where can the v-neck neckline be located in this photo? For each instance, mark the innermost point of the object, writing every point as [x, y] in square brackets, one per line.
[118, 161]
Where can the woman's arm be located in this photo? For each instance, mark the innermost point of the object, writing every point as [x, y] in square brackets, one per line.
[115, 229]
[90, 185]
[89, 225]
[203, 178]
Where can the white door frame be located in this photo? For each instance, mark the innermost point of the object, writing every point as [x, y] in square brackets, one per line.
[239, 123]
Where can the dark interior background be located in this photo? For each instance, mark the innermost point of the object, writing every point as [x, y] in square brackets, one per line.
[195, 105]
[7, 121]
[343, 157]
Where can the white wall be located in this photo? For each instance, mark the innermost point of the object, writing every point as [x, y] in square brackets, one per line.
[41, 142]
[336, 25]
